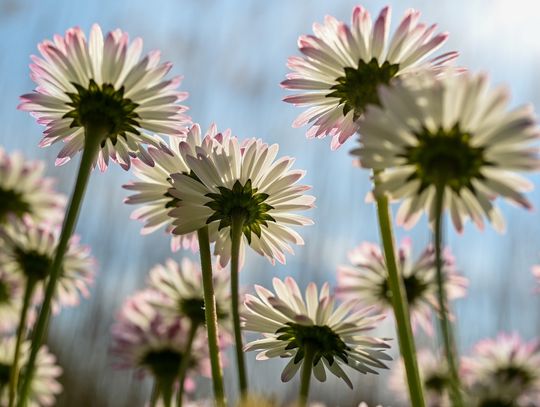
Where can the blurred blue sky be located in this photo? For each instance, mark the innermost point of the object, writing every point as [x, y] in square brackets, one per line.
[232, 54]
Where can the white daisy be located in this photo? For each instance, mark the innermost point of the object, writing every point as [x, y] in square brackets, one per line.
[244, 180]
[149, 343]
[453, 131]
[290, 324]
[103, 83]
[367, 280]
[181, 290]
[435, 379]
[44, 386]
[28, 250]
[24, 191]
[11, 296]
[342, 67]
[504, 371]
[152, 189]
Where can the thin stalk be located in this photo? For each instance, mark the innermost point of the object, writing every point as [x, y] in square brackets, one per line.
[400, 305]
[21, 330]
[445, 325]
[211, 315]
[155, 394]
[237, 226]
[305, 378]
[91, 148]
[166, 385]
[184, 365]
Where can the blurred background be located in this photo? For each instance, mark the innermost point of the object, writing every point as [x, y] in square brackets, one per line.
[232, 54]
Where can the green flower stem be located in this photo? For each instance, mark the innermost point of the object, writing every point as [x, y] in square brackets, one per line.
[166, 385]
[184, 365]
[155, 395]
[445, 325]
[91, 148]
[400, 305]
[305, 378]
[237, 225]
[21, 330]
[211, 315]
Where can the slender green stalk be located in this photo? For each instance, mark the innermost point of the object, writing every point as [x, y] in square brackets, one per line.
[21, 330]
[91, 147]
[237, 225]
[400, 305]
[155, 395]
[305, 378]
[166, 385]
[445, 325]
[211, 315]
[184, 365]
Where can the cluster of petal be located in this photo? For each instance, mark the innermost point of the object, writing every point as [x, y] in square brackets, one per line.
[152, 188]
[44, 386]
[366, 279]
[232, 162]
[434, 376]
[72, 62]
[177, 283]
[141, 329]
[504, 370]
[26, 192]
[269, 312]
[27, 239]
[442, 104]
[336, 47]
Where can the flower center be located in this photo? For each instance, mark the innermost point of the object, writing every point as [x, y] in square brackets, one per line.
[326, 343]
[446, 157]
[163, 363]
[513, 374]
[12, 202]
[414, 288]
[437, 383]
[33, 264]
[358, 87]
[103, 108]
[193, 308]
[241, 200]
[496, 403]
[4, 374]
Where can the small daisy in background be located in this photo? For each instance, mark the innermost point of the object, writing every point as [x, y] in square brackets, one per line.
[504, 371]
[11, 299]
[247, 181]
[146, 341]
[26, 192]
[312, 332]
[155, 181]
[102, 85]
[342, 66]
[424, 135]
[44, 385]
[27, 250]
[435, 380]
[366, 279]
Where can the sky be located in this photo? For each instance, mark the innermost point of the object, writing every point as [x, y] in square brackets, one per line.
[232, 55]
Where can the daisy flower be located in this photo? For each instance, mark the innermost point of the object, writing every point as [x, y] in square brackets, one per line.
[367, 279]
[504, 371]
[152, 188]
[435, 380]
[342, 66]
[11, 297]
[149, 343]
[452, 131]
[241, 180]
[24, 191]
[44, 386]
[28, 250]
[103, 84]
[181, 290]
[335, 335]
